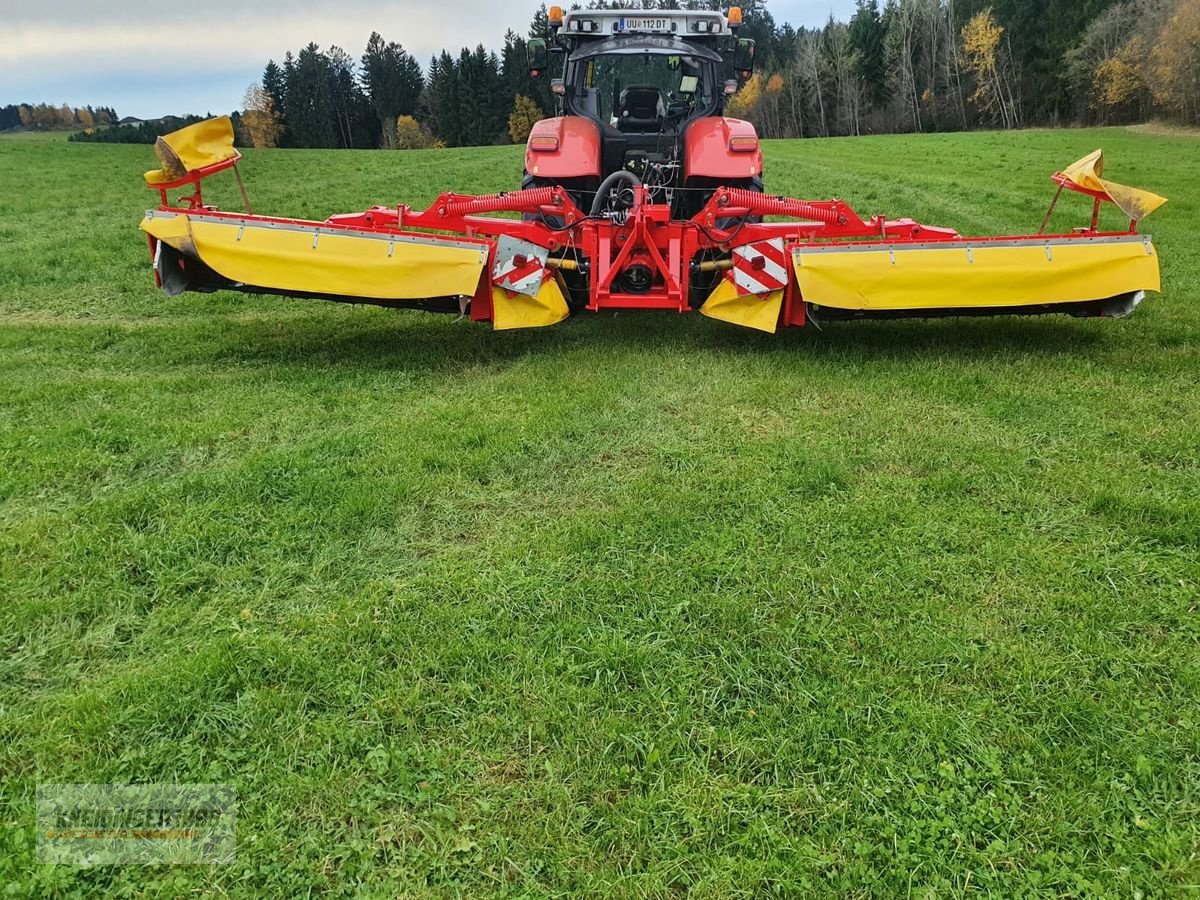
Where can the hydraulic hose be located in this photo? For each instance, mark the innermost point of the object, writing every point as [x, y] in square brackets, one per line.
[608, 184]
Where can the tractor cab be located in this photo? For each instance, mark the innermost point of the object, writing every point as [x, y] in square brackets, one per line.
[632, 86]
[642, 85]
[642, 91]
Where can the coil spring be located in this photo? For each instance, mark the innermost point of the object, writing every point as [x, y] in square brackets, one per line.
[513, 201]
[762, 205]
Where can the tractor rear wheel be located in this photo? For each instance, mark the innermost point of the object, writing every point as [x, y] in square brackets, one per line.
[576, 282]
[529, 182]
[754, 185]
[580, 190]
[701, 284]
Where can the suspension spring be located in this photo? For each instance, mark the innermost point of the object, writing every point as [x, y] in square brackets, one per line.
[512, 201]
[762, 205]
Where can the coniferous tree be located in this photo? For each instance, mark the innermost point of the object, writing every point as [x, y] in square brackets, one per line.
[514, 73]
[393, 82]
[343, 89]
[480, 119]
[289, 76]
[441, 100]
[309, 105]
[866, 36]
[274, 83]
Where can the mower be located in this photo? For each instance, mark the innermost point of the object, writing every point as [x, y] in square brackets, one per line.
[641, 195]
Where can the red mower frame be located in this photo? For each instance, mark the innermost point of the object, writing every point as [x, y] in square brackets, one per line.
[647, 236]
[644, 235]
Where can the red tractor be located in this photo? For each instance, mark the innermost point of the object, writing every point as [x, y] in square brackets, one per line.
[642, 195]
[642, 130]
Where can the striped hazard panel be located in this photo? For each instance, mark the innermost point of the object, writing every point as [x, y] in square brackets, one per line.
[520, 266]
[760, 267]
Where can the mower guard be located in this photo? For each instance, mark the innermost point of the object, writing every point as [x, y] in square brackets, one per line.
[292, 256]
[975, 274]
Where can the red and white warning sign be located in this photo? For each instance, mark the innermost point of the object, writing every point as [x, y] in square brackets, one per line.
[759, 268]
[520, 266]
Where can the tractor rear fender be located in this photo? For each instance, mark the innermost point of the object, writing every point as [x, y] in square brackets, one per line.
[722, 148]
[563, 147]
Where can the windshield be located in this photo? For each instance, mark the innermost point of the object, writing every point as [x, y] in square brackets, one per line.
[636, 90]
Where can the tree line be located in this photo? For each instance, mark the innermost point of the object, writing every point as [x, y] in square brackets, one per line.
[139, 132]
[326, 98]
[1136, 59]
[938, 65]
[894, 66]
[44, 117]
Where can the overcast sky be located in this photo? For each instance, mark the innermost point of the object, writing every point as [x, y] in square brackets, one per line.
[148, 57]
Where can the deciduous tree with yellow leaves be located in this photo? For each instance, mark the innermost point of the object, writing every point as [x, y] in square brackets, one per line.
[524, 116]
[986, 58]
[259, 119]
[741, 105]
[1141, 57]
[412, 135]
[1175, 63]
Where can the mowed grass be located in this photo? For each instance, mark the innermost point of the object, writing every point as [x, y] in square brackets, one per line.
[635, 605]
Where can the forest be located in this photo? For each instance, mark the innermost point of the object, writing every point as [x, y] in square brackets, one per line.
[899, 66]
[44, 117]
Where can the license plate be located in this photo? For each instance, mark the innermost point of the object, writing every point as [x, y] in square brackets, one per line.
[644, 25]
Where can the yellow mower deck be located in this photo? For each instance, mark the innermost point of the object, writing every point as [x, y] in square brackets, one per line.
[976, 274]
[315, 259]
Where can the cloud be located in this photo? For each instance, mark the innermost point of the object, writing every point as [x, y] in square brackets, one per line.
[147, 60]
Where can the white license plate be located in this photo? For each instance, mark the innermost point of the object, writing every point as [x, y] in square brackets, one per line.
[645, 25]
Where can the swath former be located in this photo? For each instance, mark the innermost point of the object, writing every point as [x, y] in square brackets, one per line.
[641, 195]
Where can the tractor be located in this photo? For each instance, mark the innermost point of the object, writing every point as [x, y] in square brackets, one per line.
[641, 195]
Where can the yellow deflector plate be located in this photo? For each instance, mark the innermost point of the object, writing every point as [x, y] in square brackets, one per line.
[315, 259]
[759, 311]
[514, 310]
[976, 274]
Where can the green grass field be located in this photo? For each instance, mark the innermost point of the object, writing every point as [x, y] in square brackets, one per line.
[634, 605]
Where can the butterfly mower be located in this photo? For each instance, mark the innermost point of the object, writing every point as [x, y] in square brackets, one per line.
[641, 195]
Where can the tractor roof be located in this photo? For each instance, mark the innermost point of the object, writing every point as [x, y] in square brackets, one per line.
[602, 23]
[645, 43]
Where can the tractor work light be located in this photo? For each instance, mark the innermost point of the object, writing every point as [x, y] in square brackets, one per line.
[587, 26]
